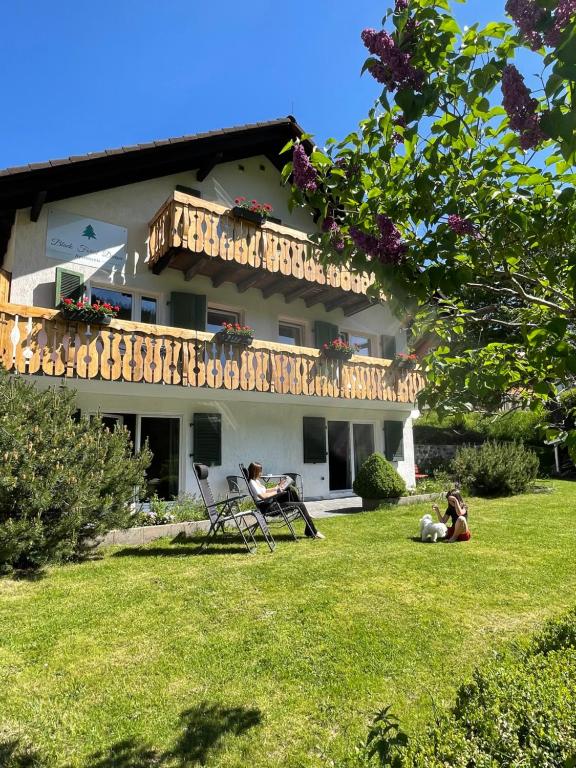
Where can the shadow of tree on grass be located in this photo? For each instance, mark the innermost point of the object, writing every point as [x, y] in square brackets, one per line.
[203, 731]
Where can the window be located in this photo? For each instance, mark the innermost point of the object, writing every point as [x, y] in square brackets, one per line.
[148, 310]
[291, 333]
[133, 306]
[394, 440]
[363, 343]
[116, 298]
[388, 347]
[215, 318]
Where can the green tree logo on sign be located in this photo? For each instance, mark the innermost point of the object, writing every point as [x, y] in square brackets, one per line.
[89, 232]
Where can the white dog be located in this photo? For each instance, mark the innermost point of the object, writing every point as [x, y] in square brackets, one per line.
[429, 530]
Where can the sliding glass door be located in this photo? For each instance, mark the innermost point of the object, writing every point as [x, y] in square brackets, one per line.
[163, 436]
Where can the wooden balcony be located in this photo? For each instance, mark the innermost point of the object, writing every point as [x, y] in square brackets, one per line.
[40, 342]
[203, 238]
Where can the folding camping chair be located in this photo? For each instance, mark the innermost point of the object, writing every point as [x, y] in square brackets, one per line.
[272, 511]
[228, 511]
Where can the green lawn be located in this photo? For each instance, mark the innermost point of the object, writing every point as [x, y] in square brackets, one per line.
[158, 656]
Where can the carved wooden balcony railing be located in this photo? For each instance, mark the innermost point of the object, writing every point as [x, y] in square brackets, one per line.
[40, 342]
[200, 237]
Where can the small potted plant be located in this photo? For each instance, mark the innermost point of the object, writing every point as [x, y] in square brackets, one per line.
[338, 349]
[251, 210]
[234, 333]
[83, 311]
[404, 361]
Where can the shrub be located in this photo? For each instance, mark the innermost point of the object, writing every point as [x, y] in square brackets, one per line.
[495, 468]
[377, 479]
[63, 480]
[517, 711]
[182, 509]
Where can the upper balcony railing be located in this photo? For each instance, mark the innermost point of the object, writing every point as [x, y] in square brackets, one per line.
[40, 342]
[200, 237]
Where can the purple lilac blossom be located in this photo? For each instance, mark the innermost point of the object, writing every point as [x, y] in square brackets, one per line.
[527, 15]
[461, 226]
[394, 69]
[336, 238]
[401, 5]
[562, 16]
[389, 248]
[305, 177]
[521, 108]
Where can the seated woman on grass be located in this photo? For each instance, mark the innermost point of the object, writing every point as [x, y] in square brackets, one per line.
[457, 513]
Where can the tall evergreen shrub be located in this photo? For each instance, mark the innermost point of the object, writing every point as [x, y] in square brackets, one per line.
[63, 480]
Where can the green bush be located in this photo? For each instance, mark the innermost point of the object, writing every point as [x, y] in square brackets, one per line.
[63, 480]
[495, 468]
[517, 711]
[377, 479]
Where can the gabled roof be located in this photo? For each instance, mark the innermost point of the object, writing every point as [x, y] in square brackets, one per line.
[39, 183]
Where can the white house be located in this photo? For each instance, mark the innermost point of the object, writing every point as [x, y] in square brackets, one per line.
[151, 229]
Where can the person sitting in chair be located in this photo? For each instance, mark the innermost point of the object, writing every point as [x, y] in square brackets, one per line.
[282, 496]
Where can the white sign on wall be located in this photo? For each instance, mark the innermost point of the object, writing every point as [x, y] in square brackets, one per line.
[86, 241]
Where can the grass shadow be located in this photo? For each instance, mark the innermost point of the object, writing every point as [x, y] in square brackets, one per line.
[27, 575]
[203, 729]
[178, 551]
[17, 752]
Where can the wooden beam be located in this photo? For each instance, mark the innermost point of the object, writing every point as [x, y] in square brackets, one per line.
[194, 269]
[208, 166]
[337, 302]
[38, 204]
[222, 276]
[162, 263]
[299, 291]
[358, 306]
[274, 287]
[248, 282]
[318, 298]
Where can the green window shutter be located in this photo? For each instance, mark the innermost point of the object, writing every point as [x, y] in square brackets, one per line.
[207, 439]
[314, 440]
[324, 333]
[69, 285]
[388, 347]
[188, 310]
[394, 440]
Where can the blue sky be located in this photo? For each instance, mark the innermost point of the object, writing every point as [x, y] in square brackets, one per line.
[83, 76]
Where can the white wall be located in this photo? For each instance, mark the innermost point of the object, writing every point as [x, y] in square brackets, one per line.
[266, 428]
[133, 206]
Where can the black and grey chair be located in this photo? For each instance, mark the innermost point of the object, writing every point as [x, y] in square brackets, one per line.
[272, 511]
[228, 513]
[235, 484]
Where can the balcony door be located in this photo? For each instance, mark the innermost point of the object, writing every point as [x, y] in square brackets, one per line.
[339, 455]
[349, 445]
[362, 443]
[163, 436]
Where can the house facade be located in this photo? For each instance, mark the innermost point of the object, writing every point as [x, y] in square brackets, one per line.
[152, 230]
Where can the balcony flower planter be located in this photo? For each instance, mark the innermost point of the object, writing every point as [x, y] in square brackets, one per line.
[251, 210]
[405, 362]
[248, 215]
[234, 333]
[338, 349]
[337, 354]
[222, 337]
[83, 312]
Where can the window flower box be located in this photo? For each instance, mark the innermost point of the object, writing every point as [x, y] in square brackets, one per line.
[83, 312]
[338, 349]
[405, 362]
[234, 333]
[251, 210]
